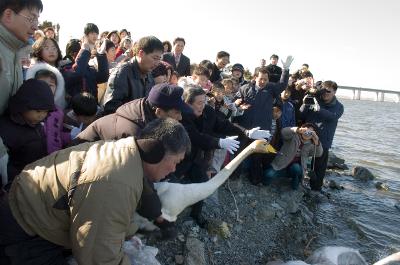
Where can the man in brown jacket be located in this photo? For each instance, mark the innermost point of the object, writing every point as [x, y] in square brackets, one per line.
[83, 198]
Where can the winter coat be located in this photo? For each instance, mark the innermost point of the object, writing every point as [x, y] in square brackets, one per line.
[128, 120]
[326, 119]
[82, 198]
[126, 84]
[288, 115]
[261, 101]
[10, 66]
[183, 67]
[216, 74]
[10, 70]
[275, 73]
[56, 137]
[291, 142]
[25, 142]
[204, 133]
[53, 126]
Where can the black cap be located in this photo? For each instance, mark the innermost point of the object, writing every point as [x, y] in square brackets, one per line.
[168, 96]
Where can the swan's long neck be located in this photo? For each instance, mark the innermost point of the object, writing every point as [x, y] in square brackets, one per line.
[213, 184]
[176, 197]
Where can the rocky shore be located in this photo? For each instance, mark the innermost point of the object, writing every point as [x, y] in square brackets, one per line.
[252, 224]
[271, 223]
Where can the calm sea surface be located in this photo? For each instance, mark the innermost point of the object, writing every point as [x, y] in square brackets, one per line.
[360, 216]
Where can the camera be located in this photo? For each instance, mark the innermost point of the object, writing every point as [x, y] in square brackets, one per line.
[315, 92]
[309, 100]
[308, 133]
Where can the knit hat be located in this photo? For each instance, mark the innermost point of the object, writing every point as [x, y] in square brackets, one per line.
[32, 95]
[238, 66]
[168, 96]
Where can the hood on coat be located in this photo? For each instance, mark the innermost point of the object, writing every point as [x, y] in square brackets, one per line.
[59, 96]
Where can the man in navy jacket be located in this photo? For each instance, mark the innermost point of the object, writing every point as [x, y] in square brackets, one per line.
[256, 99]
[325, 113]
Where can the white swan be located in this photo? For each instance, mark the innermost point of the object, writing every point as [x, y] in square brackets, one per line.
[176, 197]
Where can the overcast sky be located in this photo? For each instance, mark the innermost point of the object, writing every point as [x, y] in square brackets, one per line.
[355, 43]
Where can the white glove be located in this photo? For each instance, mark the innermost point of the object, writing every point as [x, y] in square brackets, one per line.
[229, 144]
[3, 169]
[75, 131]
[316, 106]
[288, 62]
[258, 134]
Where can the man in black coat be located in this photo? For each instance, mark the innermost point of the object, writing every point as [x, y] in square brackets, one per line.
[179, 61]
[274, 70]
[221, 61]
[133, 79]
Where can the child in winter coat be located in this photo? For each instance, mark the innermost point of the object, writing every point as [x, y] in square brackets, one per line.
[56, 137]
[22, 129]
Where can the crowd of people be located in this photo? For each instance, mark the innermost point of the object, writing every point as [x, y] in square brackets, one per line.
[84, 136]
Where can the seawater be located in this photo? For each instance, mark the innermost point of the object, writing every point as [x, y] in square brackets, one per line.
[360, 216]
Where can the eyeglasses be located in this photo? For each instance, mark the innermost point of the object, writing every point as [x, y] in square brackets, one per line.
[32, 20]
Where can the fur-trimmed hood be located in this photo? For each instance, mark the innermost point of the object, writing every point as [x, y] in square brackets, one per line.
[59, 96]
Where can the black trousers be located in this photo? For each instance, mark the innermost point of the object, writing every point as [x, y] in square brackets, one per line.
[256, 168]
[319, 169]
[19, 248]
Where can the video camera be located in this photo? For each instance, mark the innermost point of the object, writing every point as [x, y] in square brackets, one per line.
[314, 94]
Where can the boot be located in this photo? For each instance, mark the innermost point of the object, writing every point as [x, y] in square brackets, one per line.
[197, 215]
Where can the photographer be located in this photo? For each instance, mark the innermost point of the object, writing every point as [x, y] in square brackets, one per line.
[324, 110]
[299, 143]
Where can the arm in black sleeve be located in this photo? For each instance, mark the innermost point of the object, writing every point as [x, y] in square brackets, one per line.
[202, 140]
[102, 73]
[281, 85]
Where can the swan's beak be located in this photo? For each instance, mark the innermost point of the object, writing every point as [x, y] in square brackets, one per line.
[271, 149]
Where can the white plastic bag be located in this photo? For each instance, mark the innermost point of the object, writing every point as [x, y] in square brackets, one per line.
[140, 254]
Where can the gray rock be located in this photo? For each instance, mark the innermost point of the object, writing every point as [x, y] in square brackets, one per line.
[179, 259]
[362, 173]
[253, 204]
[181, 237]
[292, 206]
[238, 228]
[335, 162]
[381, 186]
[218, 227]
[276, 205]
[194, 252]
[336, 255]
[266, 214]
[334, 185]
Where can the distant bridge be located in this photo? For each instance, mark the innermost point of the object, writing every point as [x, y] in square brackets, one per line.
[380, 94]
